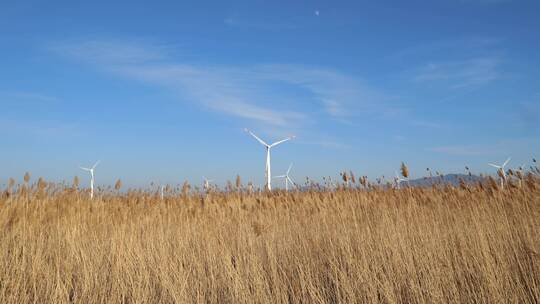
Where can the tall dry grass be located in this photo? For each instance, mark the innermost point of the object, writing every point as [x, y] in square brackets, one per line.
[433, 245]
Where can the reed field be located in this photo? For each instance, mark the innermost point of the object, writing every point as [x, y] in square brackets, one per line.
[443, 244]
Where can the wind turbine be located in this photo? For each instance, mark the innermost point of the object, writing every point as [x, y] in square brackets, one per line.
[287, 178]
[331, 183]
[161, 189]
[91, 170]
[206, 183]
[501, 169]
[398, 180]
[268, 147]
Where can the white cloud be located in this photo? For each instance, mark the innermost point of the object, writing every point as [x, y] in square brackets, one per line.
[460, 74]
[110, 52]
[341, 95]
[485, 1]
[266, 24]
[27, 96]
[500, 149]
[241, 91]
[39, 129]
[224, 90]
[331, 144]
[470, 47]
[425, 124]
[462, 150]
[399, 138]
[527, 116]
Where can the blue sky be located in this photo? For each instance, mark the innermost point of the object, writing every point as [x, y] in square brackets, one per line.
[162, 92]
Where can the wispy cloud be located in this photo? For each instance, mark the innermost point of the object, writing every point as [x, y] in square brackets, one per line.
[236, 20]
[39, 129]
[426, 124]
[460, 74]
[225, 90]
[465, 63]
[27, 96]
[462, 150]
[527, 116]
[485, 1]
[260, 93]
[453, 48]
[109, 51]
[341, 95]
[399, 138]
[501, 148]
[331, 144]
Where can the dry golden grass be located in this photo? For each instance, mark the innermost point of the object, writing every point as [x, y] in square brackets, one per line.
[444, 245]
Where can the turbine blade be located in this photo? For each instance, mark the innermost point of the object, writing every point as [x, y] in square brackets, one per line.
[85, 169]
[281, 141]
[495, 166]
[97, 163]
[506, 162]
[289, 170]
[257, 138]
[291, 181]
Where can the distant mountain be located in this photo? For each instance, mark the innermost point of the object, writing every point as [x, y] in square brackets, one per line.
[447, 179]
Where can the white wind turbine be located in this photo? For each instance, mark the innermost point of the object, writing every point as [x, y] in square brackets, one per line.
[331, 183]
[268, 147]
[287, 178]
[501, 169]
[206, 183]
[161, 190]
[91, 170]
[398, 180]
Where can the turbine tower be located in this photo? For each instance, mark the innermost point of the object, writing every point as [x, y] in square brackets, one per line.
[91, 170]
[268, 147]
[501, 170]
[287, 178]
[206, 183]
[161, 189]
